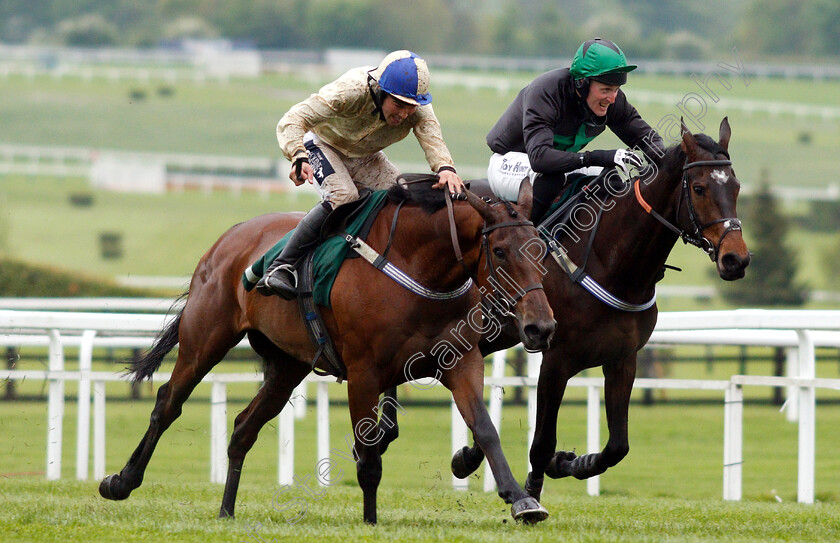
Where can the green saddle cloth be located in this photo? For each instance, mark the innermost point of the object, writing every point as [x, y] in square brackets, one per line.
[329, 255]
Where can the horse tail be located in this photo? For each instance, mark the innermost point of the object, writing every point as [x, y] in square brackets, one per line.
[166, 340]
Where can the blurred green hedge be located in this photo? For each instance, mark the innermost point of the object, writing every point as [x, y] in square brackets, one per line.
[19, 279]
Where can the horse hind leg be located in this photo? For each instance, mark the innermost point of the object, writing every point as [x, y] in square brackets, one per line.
[272, 398]
[196, 357]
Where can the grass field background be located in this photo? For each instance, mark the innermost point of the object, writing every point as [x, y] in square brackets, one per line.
[166, 235]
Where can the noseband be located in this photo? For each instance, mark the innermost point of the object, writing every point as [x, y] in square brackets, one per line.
[695, 237]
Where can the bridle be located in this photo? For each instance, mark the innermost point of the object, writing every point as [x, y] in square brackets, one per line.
[695, 237]
[494, 279]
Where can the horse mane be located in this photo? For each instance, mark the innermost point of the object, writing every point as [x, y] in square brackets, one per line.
[418, 189]
[675, 156]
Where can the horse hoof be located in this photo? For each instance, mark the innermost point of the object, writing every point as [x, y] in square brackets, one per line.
[460, 469]
[108, 488]
[560, 464]
[528, 510]
[533, 486]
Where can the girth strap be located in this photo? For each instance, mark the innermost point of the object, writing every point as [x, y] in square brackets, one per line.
[315, 326]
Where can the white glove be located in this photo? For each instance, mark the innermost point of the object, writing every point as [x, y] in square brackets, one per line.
[625, 160]
[622, 158]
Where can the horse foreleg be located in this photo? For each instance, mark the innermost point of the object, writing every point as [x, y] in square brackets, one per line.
[466, 461]
[267, 404]
[551, 387]
[618, 384]
[388, 427]
[363, 397]
[466, 388]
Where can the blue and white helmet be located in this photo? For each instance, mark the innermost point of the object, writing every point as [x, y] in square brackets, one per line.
[406, 76]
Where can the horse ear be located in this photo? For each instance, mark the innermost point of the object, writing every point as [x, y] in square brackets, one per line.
[725, 133]
[689, 145]
[484, 209]
[526, 197]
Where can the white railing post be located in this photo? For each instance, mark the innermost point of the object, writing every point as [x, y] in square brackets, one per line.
[55, 409]
[807, 415]
[733, 439]
[534, 362]
[98, 429]
[299, 399]
[496, 393]
[593, 433]
[792, 370]
[323, 407]
[83, 415]
[286, 441]
[218, 432]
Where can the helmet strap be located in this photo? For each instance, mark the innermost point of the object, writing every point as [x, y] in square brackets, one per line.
[582, 87]
[378, 97]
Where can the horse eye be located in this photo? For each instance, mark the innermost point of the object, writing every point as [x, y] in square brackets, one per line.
[500, 253]
[698, 190]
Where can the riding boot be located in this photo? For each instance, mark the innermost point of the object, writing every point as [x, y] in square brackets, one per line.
[546, 189]
[281, 278]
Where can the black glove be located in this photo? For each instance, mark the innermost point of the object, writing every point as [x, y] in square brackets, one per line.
[622, 158]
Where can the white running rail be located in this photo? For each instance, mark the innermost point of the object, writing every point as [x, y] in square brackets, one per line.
[800, 331]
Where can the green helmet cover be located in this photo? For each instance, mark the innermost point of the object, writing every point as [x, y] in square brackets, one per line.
[599, 57]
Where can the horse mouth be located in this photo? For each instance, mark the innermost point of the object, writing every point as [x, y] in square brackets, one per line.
[733, 275]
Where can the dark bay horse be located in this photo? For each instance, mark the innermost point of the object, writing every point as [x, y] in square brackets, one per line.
[694, 191]
[377, 326]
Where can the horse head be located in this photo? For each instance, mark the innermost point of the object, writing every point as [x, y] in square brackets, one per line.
[508, 276]
[710, 189]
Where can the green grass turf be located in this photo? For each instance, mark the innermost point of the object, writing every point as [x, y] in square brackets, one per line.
[667, 489]
[70, 511]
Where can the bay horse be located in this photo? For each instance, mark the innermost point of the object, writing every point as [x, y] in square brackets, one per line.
[376, 326]
[692, 194]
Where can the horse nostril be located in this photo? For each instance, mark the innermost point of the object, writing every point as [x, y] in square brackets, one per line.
[532, 331]
[540, 331]
[733, 262]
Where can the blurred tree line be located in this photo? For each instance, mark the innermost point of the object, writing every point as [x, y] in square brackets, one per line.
[645, 28]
